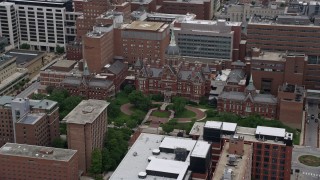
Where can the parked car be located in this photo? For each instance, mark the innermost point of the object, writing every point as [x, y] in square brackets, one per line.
[312, 116]
[316, 120]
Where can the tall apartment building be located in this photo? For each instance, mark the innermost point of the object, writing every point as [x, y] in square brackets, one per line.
[22, 161]
[98, 47]
[86, 128]
[143, 40]
[295, 34]
[271, 148]
[203, 9]
[42, 24]
[9, 23]
[27, 121]
[210, 39]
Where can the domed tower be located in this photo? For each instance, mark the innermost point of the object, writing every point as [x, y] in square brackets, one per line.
[172, 56]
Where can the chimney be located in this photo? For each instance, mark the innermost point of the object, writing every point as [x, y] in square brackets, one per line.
[80, 65]
[236, 145]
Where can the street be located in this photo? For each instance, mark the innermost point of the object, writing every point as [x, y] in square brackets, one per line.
[29, 90]
[311, 128]
[304, 172]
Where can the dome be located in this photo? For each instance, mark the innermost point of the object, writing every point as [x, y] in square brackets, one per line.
[173, 50]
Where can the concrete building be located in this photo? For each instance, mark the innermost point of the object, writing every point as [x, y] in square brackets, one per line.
[86, 128]
[159, 156]
[295, 34]
[243, 12]
[27, 121]
[203, 9]
[33, 61]
[21, 161]
[10, 76]
[209, 39]
[9, 23]
[3, 43]
[143, 40]
[271, 148]
[42, 25]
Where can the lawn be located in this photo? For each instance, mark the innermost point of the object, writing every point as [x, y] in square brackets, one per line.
[185, 114]
[310, 160]
[161, 114]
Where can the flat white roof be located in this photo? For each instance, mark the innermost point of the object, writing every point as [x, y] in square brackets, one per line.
[213, 124]
[168, 166]
[226, 126]
[201, 149]
[174, 142]
[270, 131]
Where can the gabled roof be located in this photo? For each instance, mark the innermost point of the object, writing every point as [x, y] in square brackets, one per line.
[117, 67]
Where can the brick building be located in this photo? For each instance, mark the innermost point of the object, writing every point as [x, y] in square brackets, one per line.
[203, 9]
[34, 122]
[183, 80]
[147, 5]
[142, 40]
[271, 148]
[86, 129]
[21, 161]
[272, 69]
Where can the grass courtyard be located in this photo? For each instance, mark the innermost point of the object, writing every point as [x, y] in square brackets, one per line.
[310, 160]
[161, 114]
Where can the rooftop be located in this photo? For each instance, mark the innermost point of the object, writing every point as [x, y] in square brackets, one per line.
[144, 25]
[283, 20]
[6, 83]
[25, 56]
[117, 67]
[44, 104]
[31, 118]
[64, 64]
[270, 56]
[86, 112]
[238, 168]
[37, 152]
[5, 58]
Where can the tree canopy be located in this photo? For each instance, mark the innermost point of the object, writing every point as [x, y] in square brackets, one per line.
[139, 100]
[96, 162]
[178, 104]
[59, 49]
[24, 46]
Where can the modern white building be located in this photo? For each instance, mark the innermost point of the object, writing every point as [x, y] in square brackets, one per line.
[42, 22]
[8, 23]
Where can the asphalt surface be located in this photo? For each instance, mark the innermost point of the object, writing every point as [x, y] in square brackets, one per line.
[312, 128]
[29, 90]
[305, 172]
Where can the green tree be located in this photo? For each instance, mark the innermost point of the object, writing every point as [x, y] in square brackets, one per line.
[38, 96]
[59, 143]
[128, 89]
[211, 113]
[157, 97]
[203, 100]
[167, 128]
[113, 110]
[139, 100]
[131, 123]
[179, 104]
[96, 162]
[49, 89]
[59, 49]
[24, 46]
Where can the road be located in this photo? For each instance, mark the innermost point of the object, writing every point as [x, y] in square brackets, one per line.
[312, 128]
[305, 172]
[29, 90]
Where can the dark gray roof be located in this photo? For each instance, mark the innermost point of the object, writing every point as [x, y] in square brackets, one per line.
[238, 63]
[240, 96]
[138, 64]
[102, 83]
[71, 80]
[117, 67]
[24, 56]
[173, 50]
[236, 75]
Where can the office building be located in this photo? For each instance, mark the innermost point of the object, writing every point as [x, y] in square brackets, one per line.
[203, 9]
[295, 34]
[143, 40]
[242, 12]
[9, 23]
[209, 39]
[22, 161]
[147, 5]
[34, 122]
[10, 75]
[33, 61]
[98, 47]
[271, 148]
[272, 69]
[86, 128]
[42, 24]
[155, 156]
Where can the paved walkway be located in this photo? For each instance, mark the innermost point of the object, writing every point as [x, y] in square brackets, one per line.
[126, 108]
